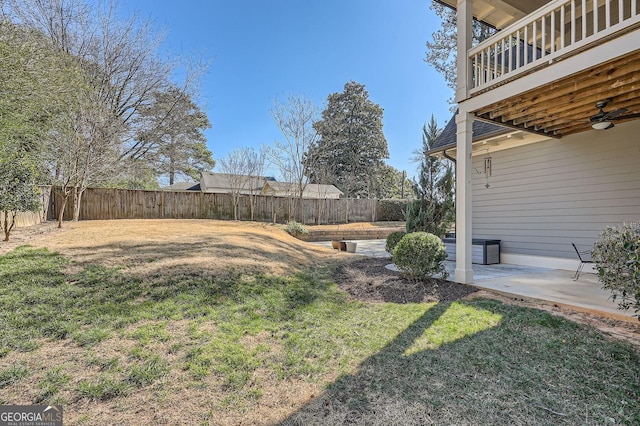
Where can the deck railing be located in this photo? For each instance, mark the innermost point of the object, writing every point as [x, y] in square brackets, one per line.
[555, 30]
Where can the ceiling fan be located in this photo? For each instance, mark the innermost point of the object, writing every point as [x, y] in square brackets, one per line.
[604, 120]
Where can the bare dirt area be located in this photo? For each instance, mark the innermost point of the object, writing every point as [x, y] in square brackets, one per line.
[368, 280]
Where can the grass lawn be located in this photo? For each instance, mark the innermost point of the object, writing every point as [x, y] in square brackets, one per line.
[251, 348]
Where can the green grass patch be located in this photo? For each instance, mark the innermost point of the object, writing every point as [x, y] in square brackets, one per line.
[51, 384]
[12, 374]
[147, 333]
[105, 388]
[147, 372]
[105, 364]
[448, 363]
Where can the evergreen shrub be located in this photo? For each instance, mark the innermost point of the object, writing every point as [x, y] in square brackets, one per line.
[420, 255]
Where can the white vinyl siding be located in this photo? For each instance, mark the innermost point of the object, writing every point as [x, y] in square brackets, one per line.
[544, 196]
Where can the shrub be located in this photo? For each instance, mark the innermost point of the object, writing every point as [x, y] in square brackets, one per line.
[393, 239]
[391, 210]
[420, 255]
[429, 216]
[296, 229]
[616, 255]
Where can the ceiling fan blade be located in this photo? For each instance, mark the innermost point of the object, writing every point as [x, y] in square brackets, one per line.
[598, 117]
[615, 113]
[624, 117]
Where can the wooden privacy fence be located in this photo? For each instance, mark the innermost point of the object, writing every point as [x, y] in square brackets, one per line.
[33, 218]
[108, 203]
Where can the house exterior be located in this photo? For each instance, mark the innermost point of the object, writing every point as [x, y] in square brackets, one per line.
[224, 182]
[311, 190]
[539, 176]
[183, 186]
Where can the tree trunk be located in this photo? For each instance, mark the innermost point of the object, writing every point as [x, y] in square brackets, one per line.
[251, 205]
[74, 193]
[65, 197]
[5, 226]
[172, 174]
[77, 200]
[346, 216]
[235, 201]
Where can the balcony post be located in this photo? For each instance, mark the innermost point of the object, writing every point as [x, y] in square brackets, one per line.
[463, 63]
[464, 271]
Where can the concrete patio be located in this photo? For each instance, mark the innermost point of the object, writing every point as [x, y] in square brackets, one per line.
[551, 285]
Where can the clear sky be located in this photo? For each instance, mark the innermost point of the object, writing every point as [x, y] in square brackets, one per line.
[261, 50]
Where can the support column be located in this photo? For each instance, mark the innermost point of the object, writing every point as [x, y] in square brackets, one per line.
[464, 122]
[464, 17]
[464, 272]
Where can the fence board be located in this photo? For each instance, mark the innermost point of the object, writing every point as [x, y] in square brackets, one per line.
[111, 203]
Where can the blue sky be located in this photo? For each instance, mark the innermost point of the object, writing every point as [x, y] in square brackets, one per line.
[261, 50]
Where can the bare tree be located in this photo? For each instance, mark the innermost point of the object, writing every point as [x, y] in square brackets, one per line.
[118, 57]
[256, 164]
[83, 149]
[120, 69]
[237, 166]
[294, 117]
[441, 49]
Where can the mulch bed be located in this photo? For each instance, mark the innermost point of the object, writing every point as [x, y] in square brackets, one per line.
[368, 280]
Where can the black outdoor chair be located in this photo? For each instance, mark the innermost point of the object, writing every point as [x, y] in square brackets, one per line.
[583, 261]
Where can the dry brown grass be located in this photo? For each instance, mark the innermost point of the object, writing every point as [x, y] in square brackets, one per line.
[152, 246]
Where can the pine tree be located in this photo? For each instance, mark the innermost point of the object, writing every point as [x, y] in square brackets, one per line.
[434, 210]
[351, 146]
[173, 135]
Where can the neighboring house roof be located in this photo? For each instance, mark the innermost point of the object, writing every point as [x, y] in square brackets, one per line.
[311, 190]
[481, 130]
[183, 186]
[211, 182]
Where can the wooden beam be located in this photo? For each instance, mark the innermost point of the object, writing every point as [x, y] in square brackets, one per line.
[618, 86]
[632, 105]
[624, 68]
[514, 126]
[629, 100]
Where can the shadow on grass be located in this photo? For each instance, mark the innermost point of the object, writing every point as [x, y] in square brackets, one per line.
[40, 300]
[528, 367]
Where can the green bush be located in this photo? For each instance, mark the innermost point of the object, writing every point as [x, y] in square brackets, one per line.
[429, 216]
[391, 210]
[296, 229]
[392, 240]
[420, 255]
[616, 255]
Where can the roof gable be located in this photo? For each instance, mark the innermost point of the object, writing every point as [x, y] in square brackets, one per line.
[211, 181]
[309, 189]
[481, 130]
[183, 186]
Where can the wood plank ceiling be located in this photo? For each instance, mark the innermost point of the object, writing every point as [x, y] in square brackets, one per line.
[564, 107]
